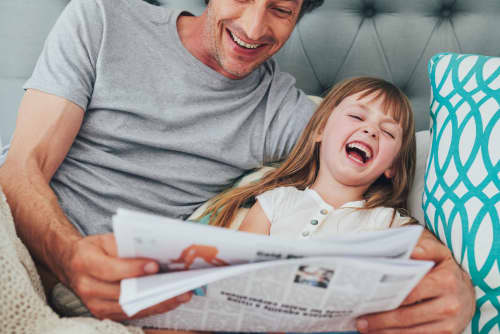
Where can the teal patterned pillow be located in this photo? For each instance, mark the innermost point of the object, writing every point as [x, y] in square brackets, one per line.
[461, 199]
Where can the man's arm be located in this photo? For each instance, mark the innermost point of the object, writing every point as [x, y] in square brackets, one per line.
[46, 128]
[443, 301]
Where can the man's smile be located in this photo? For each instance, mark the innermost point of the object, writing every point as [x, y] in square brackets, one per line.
[242, 43]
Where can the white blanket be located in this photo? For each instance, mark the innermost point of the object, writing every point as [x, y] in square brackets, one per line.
[23, 307]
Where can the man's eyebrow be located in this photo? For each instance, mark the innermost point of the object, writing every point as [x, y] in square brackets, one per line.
[294, 1]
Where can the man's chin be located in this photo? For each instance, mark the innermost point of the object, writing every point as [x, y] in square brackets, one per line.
[237, 70]
[236, 74]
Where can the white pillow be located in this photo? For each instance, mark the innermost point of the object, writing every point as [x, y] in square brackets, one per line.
[3, 152]
[417, 189]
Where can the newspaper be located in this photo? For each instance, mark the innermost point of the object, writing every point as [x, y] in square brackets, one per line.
[254, 283]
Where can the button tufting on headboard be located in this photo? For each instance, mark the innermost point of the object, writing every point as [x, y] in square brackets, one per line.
[446, 11]
[369, 11]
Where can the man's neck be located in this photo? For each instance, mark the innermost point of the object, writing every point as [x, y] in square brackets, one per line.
[191, 30]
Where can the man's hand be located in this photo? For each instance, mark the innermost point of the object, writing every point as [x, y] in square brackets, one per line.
[171, 331]
[93, 271]
[443, 301]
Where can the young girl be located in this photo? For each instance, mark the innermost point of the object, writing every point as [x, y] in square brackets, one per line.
[350, 170]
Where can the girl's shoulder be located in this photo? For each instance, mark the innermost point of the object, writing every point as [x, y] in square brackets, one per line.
[286, 190]
[279, 195]
[279, 202]
[383, 216]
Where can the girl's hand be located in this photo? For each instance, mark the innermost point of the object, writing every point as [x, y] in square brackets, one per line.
[443, 301]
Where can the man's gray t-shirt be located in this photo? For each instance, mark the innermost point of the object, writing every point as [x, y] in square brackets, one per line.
[162, 132]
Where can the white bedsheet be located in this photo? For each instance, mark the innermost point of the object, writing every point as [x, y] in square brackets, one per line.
[3, 152]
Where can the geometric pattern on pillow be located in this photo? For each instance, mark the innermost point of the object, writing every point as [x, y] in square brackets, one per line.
[461, 199]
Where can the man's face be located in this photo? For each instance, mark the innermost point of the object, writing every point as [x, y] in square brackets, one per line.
[242, 34]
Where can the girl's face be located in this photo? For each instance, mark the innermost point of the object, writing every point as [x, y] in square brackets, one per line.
[359, 143]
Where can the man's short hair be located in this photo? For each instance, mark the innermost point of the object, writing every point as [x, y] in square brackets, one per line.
[307, 6]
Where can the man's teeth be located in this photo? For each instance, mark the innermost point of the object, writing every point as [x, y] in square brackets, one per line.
[363, 148]
[243, 44]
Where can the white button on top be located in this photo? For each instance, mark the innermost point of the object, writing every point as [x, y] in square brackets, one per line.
[324, 211]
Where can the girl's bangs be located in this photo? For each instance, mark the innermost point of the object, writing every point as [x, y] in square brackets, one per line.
[394, 103]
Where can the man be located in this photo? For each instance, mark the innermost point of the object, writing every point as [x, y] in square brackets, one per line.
[142, 107]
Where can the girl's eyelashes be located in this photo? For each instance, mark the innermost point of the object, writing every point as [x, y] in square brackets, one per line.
[359, 118]
[389, 133]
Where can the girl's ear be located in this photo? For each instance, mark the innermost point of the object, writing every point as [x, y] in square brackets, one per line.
[318, 137]
[389, 173]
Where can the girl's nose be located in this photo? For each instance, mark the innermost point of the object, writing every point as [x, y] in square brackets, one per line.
[370, 133]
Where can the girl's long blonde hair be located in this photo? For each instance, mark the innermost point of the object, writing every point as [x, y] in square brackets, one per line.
[301, 167]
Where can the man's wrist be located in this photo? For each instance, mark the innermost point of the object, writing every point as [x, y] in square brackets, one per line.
[58, 250]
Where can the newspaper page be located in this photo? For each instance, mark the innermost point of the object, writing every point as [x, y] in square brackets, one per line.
[271, 284]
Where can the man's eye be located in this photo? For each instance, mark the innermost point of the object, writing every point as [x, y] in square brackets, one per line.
[283, 12]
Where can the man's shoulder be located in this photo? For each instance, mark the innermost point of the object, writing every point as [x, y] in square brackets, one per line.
[136, 8]
[271, 66]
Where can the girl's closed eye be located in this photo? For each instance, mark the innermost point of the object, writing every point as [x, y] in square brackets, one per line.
[389, 134]
[356, 117]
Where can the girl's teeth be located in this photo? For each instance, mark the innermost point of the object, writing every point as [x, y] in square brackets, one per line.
[361, 147]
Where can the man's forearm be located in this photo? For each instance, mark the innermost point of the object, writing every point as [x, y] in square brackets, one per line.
[40, 221]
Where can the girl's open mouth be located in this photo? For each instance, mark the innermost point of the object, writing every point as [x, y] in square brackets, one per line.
[359, 152]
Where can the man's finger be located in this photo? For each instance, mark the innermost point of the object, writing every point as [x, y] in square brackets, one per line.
[403, 317]
[89, 288]
[108, 243]
[167, 305]
[429, 328]
[429, 287]
[429, 248]
[97, 256]
[113, 269]
[131, 267]
[106, 309]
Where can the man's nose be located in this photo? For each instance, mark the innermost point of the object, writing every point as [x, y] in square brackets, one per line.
[254, 22]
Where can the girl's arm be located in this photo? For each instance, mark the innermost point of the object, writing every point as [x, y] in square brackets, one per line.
[256, 221]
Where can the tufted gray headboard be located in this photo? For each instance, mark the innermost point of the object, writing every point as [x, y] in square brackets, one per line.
[392, 39]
